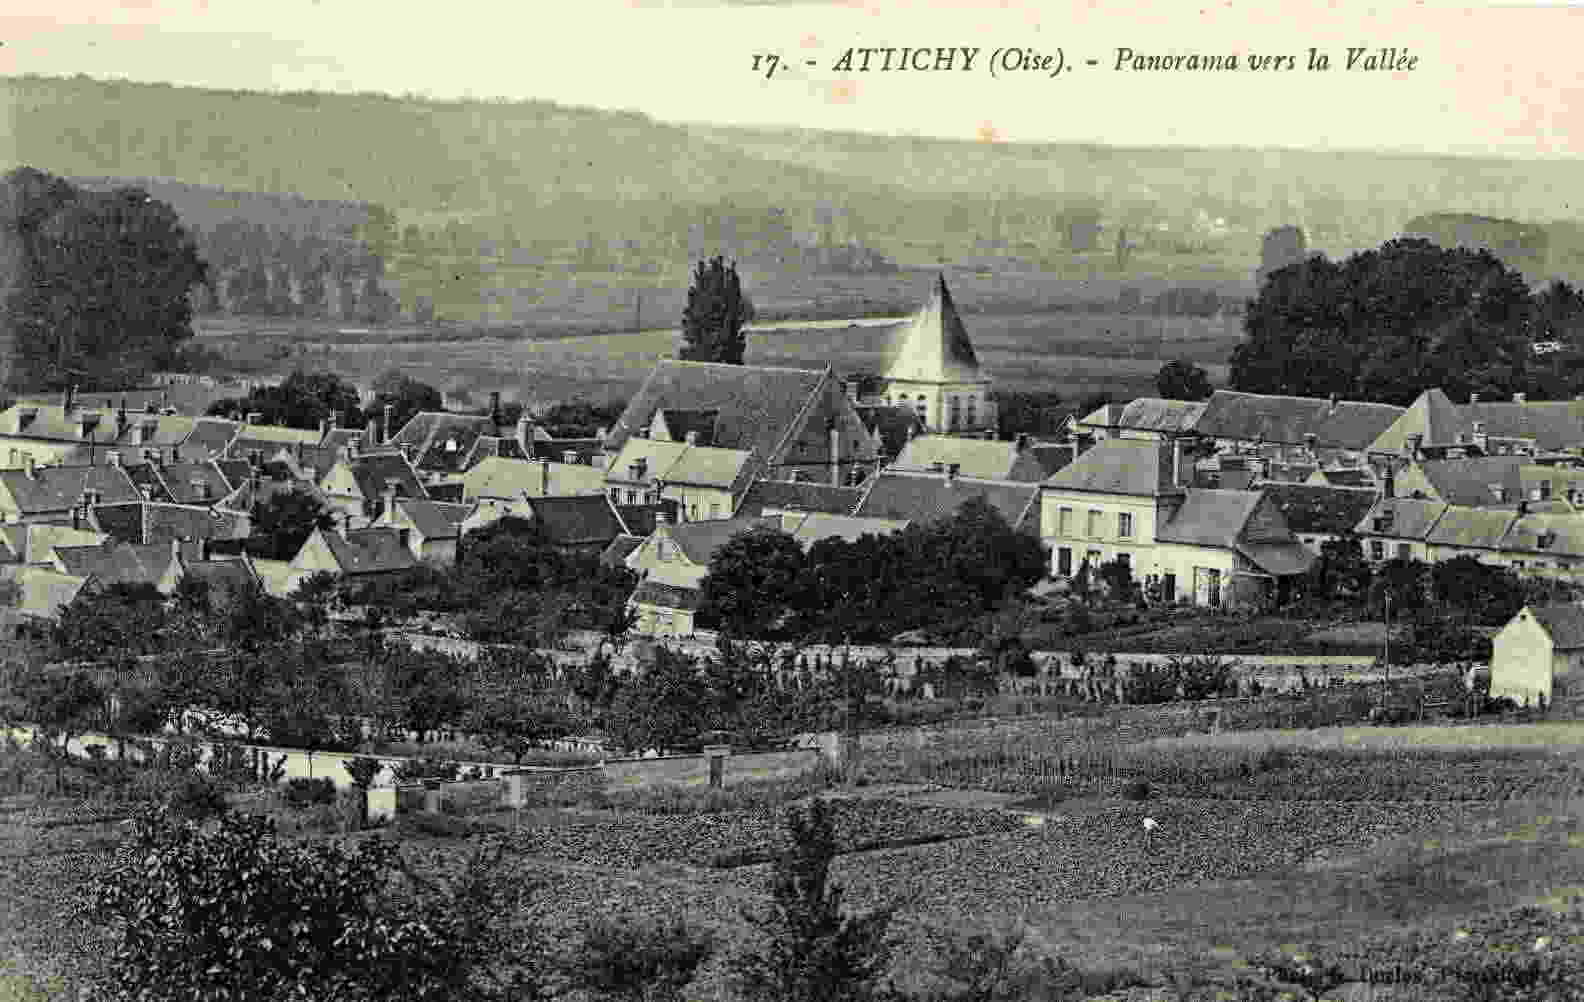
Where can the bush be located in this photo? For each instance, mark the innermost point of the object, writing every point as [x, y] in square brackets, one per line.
[412, 771]
[1136, 790]
[301, 792]
[197, 798]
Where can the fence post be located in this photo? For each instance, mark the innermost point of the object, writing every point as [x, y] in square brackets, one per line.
[716, 755]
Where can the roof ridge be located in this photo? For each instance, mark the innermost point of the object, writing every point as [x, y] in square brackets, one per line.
[742, 367]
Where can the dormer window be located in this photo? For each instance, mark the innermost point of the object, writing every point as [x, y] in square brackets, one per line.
[451, 445]
[1545, 539]
[1498, 492]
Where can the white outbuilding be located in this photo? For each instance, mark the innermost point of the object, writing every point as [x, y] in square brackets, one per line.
[1539, 655]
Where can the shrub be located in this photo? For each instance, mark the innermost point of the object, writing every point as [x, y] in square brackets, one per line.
[301, 792]
[412, 771]
[197, 798]
[1136, 790]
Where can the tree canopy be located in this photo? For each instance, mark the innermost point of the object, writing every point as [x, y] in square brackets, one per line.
[1182, 380]
[406, 396]
[302, 400]
[717, 311]
[101, 298]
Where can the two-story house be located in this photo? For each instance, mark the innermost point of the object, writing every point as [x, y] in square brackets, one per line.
[672, 564]
[432, 528]
[977, 458]
[503, 479]
[356, 485]
[705, 482]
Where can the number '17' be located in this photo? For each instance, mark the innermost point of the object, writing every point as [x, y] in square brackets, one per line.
[768, 62]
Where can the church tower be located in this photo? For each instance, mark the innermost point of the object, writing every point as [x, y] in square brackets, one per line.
[931, 368]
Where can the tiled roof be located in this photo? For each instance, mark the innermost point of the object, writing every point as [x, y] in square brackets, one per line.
[35, 543]
[640, 518]
[809, 527]
[698, 541]
[1406, 518]
[490, 447]
[679, 463]
[1280, 559]
[758, 405]
[975, 457]
[620, 548]
[269, 437]
[665, 596]
[1139, 467]
[1053, 457]
[369, 551]
[514, 478]
[798, 495]
[1556, 533]
[1349, 477]
[233, 574]
[676, 423]
[53, 423]
[194, 483]
[440, 442]
[371, 469]
[235, 471]
[1565, 623]
[210, 437]
[1148, 414]
[1468, 481]
[1472, 527]
[579, 520]
[925, 498]
[556, 449]
[895, 424]
[1550, 424]
[117, 563]
[336, 439]
[1210, 518]
[58, 488]
[933, 346]
[434, 521]
[1316, 509]
[150, 486]
[1347, 424]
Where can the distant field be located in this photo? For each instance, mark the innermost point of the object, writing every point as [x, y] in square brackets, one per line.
[1073, 352]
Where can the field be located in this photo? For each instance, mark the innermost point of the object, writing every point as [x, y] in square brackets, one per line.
[1071, 351]
[1350, 842]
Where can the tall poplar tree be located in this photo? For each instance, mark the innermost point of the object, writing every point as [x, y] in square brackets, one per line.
[717, 311]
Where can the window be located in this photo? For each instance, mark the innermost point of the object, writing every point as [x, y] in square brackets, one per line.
[632, 497]
[1377, 550]
[714, 509]
[1094, 523]
[922, 408]
[973, 407]
[615, 495]
[1064, 522]
[956, 411]
[1064, 565]
[663, 549]
[693, 512]
[1402, 551]
[1125, 525]
[1545, 490]
[1093, 556]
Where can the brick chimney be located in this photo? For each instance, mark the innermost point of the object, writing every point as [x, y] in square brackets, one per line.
[388, 496]
[1389, 482]
[835, 455]
[388, 427]
[31, 466]
[495, 408]
[371, 433]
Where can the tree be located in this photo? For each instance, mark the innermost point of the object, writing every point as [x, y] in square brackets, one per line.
[1281, 246]
[1386, 324]
[511, 706]
[118, 619]
[753, 580]
[103, 291]
[60, 705]
[302, 400]
[815, 952]
[716, 313]
[282, 523]
[1488, 594]
[663, 709]
[405, 395]
[1182, 380]
[226, 912]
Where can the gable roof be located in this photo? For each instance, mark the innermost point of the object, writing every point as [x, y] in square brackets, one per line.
[1563, 533]
[640, 519]
[895, 425]
[496, 477]
[370, 471]
[1473, 527]
[491, 446]
[679, 463]
[434, 520]
[1344, 424]
[577, 520]
[114, 562]
[52, 422]
[59, 488]
[698, 541]
[210, 437]
[42, 591]
[1565, 623]
[1409, 518]
[1468, 481]
[368, 551]
[1210, 518]
[932, 346]
[926, 497]
[1158, 414]
[1053, 457]
[809, 527]
[1343, 477]
[620, 548]
[439, 441]
[788, 494]
[986, 459]
[35, 542]
[1310, 508]
[1550, 424]
[187, 483]
[555, 449]
[758, 405]
[1140, 467]
[233, 574]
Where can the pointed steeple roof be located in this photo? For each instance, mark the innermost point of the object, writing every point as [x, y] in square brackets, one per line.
[933, 347]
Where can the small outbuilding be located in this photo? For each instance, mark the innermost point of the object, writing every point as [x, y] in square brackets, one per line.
[1539, 655]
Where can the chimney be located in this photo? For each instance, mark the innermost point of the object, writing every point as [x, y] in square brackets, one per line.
[1176, 472]
[544, 478]
[1519, 398]
[388, 496]
[32, 467]
[114, 458]
[602, 434]
[324, 428]
[371, 433]
[1523, 506]
[525, 435]
[1389, 482]
[1481, 440]
[691, 438]
[1312, 443]
[71, 399]
[1415, 443]
[405, 537]
[495, 410]
[176, 550]
[1022, 441]
[255, 417]
[951, 472]
[835, 456]
[388, 417]
[121, 419]
[344, 526]
[1332, 409]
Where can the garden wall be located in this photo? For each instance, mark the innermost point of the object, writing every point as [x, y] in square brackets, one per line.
[693, 770]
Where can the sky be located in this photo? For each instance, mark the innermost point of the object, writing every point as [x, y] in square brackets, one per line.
[1499, 80]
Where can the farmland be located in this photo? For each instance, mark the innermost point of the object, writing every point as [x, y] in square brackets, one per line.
[1350, 842]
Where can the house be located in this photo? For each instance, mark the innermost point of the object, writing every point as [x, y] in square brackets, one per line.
[706, 482]
[889, 427]
[1476, 532]
[1486, 428]
[581, 523]
[438, 443]
[224, 579]
[1475, 481]
[432, 527]
[492, 447]
[809, 527]
[794, 422]
[357, 485]
[1124, 500]
[981, 459]
[1397, 528]
[50, 494]
[210, 438]
[793, 496]
[1145, 417]
[354, 553]
[42, 592]
[35, 542]
[1317, 514]
[114, 562]
[930, 366]
[1536, 657]
[1295, 429]
[502, 479]
[49, 433]
[142, 437]
[673, 562]
[143, 522]
[925, 498]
